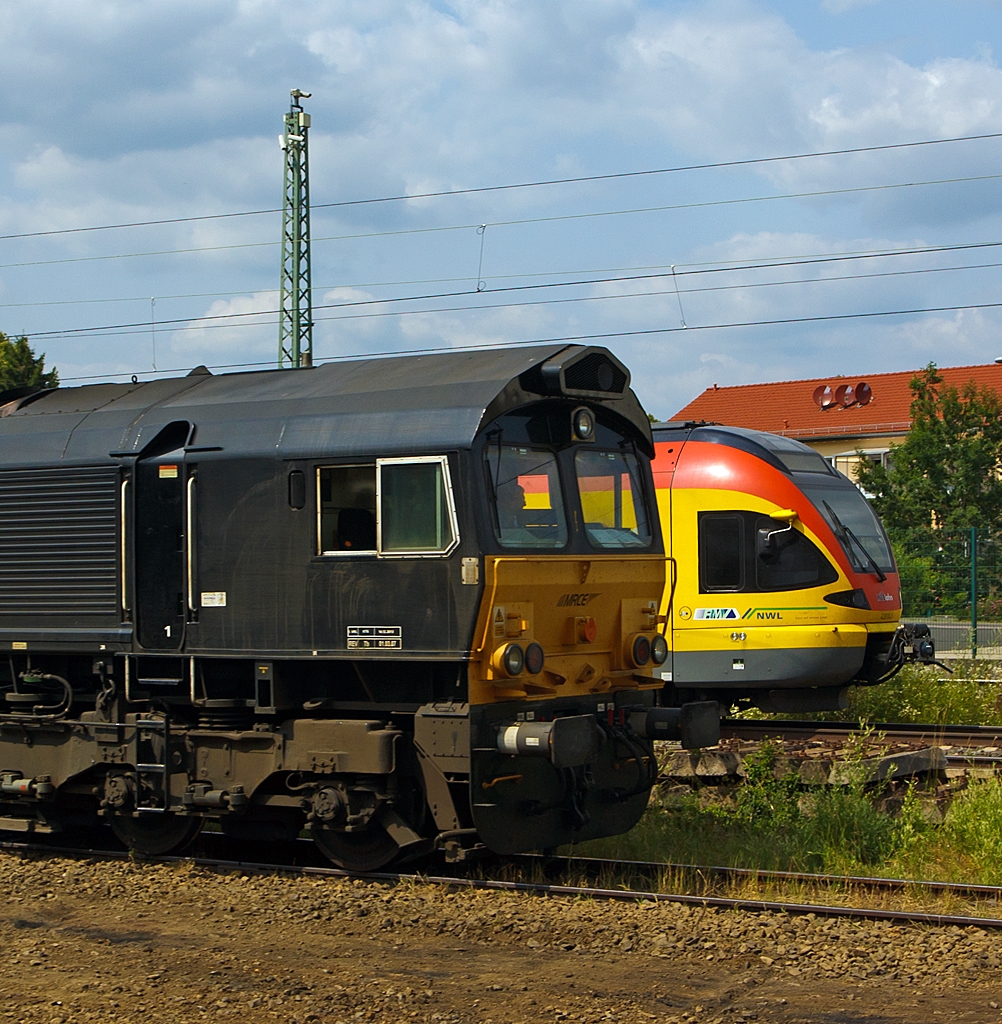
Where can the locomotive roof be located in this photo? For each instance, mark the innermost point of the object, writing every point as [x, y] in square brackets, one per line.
[373, 406]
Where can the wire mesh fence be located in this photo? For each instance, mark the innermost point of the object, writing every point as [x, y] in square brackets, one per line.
[953, 583]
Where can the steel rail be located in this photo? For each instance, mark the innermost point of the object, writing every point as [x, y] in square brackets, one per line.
[759, 729]
[862, 881]
[540, 888]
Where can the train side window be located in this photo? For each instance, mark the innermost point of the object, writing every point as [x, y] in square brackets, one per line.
[346, 510]
[416, 510]
[721, 551]
[788, 560]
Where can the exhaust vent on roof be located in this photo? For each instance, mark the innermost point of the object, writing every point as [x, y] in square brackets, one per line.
[586, 373]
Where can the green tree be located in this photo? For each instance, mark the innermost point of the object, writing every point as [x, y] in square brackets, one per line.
[943, 479]
[20, 366]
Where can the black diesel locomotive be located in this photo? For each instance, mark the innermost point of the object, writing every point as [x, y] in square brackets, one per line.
[405, 603]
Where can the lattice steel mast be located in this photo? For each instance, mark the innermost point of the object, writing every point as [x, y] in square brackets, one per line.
[295, 325]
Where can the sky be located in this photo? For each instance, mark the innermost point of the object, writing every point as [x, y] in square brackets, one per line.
[114, 112]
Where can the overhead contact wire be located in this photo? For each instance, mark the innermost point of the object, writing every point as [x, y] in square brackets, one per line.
[751, 161]
[769, 264]
[487, 346]
[520, 222]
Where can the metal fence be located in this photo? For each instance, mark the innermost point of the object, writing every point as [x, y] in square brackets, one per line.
[954, 584]
[953, 637]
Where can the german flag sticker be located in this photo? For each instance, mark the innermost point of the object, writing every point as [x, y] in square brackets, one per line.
[168, 472]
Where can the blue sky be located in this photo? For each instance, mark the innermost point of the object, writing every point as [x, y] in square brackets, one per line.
[116, 111]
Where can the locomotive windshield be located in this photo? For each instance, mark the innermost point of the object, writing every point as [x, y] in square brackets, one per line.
[530, 509]
[852, 520]
[612, 499]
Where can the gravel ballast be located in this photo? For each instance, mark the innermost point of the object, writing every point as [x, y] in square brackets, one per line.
[114, 940]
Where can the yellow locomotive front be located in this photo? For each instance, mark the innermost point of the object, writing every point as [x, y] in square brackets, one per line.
[564, 672]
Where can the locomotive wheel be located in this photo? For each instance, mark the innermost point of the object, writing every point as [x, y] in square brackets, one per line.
[155, 834]
[368, 850]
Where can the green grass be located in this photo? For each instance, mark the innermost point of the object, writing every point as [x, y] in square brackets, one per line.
[920, 693]
[929, 694]
[771, 823]
[774, 824]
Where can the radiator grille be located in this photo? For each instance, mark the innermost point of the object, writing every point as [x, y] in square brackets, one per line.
[595, 372]
[58, 542]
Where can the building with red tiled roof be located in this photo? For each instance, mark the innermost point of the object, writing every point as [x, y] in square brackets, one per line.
[837, 416]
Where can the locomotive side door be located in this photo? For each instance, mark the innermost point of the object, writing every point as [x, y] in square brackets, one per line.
[159, 553]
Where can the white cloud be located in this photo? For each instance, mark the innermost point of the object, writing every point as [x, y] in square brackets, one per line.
[152, 110]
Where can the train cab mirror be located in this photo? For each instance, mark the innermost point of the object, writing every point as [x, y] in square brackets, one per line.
[769, 540]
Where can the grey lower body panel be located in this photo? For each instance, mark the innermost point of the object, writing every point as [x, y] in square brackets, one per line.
[771, 669]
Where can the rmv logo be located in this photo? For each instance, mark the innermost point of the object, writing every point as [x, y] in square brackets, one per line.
[716, 613]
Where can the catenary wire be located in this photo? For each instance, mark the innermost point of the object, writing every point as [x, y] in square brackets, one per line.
[751, 161]
[521, 222]
[486, 346]
[735, 264]
[145, 324]
[480, 307]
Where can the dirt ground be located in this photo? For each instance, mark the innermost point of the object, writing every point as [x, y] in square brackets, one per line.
[104, 941]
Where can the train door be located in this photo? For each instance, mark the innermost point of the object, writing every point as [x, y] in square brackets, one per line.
[159, 550]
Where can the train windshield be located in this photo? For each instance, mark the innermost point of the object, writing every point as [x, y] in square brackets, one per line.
[852, 520]
[528, 502]
[612, 499]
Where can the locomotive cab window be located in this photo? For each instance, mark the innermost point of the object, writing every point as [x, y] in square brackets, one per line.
[612, 499]
[747, 551]
[721, 552]
[395, 507]
[788, 560]
[347, 509]
[416, 510]
[528, 507]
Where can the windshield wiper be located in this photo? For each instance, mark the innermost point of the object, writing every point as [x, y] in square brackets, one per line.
[845, 532]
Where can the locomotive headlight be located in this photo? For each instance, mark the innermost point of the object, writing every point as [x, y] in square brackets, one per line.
[510, 659]
[583, 423]
[534, 658]
[639, 650]
[659, 650]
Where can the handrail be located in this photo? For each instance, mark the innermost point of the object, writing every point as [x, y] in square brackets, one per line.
[190, 541]
[124, 523]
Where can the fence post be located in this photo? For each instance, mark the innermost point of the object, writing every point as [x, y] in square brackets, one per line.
[974, 593]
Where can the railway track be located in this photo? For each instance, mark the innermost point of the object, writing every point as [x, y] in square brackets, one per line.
[622, 894]
[954, 735]
[598, 864]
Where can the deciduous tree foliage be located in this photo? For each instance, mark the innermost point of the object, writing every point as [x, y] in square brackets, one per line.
[20, 366]
[945, 478]
[947, 475]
